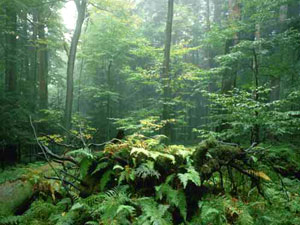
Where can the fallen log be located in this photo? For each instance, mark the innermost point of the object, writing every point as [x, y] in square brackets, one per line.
[15, 196]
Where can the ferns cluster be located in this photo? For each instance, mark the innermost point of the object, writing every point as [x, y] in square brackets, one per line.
[142, 182]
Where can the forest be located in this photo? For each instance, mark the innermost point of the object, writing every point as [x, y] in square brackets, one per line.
[149, 112]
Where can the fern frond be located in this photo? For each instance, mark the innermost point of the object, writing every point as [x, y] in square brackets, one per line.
[147, 170]
[153, 213]
[174, 197]
[191, 175]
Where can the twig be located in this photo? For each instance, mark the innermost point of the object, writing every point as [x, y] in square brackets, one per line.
[230, 144]
[48, 160]
[81, 137]
[57, 157]
[102, 9]
[72, 176]
[104, 143]
[61, 144]
[251, 147]
[64, 181]
[41, 147]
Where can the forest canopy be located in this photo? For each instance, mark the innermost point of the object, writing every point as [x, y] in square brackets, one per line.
[150, 112]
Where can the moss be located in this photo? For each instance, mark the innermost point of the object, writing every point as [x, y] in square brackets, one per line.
[210, 156]
[14, 195]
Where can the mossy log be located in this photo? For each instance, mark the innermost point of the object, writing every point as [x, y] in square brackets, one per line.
[15, 196]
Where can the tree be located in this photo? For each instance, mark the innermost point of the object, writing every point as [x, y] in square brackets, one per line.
[166, 114]
[229, 76]
[42, 63]
[81, 6]
[11, 47]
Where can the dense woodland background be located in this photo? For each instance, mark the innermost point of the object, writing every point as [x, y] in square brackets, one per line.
[248, 50]
[172, 72]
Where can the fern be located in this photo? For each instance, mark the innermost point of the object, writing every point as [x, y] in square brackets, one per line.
[83, 152]
[116, 208]
[84, 166]
[105, 179]
[10, 220]
[147, 170]
[174, 197]
[100, 166]
[153, 213]
[213, 212]
[245, 218]
[152, 154]
[191, 175]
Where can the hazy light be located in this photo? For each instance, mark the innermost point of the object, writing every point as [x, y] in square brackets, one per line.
[69, 15]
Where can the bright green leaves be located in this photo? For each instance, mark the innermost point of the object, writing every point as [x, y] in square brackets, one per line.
[153, 213]
[191, 175]
[84, 166]
[173, 197]
[152, 154]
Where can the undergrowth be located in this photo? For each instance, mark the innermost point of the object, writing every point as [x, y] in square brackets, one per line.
[141, 181]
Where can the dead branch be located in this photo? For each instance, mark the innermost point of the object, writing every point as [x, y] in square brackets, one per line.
[60, 158]
[64, 182]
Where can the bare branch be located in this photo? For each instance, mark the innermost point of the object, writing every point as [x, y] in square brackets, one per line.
[64, 182]
[61, 158]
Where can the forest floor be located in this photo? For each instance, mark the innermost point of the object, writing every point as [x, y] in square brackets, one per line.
[17, 185]
[141, 181]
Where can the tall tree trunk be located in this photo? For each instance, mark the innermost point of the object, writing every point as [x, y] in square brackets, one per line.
[81, 9]
[255, 134]
[208, 28]
[166, 70]
[229, 76]
[108, 104]
[42, 66]
[33, 61]
[275, 80]
[11, 48]
[217, 11]
[24, 88]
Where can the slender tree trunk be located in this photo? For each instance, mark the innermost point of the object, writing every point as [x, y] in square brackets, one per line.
[208, 28]
[108, 104]
[33, 61]
[42, 67]
[229, 76]
[166, 70]
[25, 57]
[217, 11]
[79, 85]
[275, 80]
[81, 9]
[82, 62]
[255, 136]
[11, 48]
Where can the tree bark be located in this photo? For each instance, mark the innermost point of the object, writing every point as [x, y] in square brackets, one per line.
[33, 60]
[42, 67]
[217, 11]
[275, 80]
[108, 104]
[229, 76]
[11, 48]
[81, 9]
[25, 57]
[166, 70]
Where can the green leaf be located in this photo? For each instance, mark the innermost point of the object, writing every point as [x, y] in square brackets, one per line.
[105, 179]
[84, 166]
[77, 206]
[100, 166]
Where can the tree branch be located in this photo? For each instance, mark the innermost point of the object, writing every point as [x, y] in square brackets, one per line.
[64, 181]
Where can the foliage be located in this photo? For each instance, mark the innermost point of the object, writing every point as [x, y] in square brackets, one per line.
[233, 80]
[126, 188]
